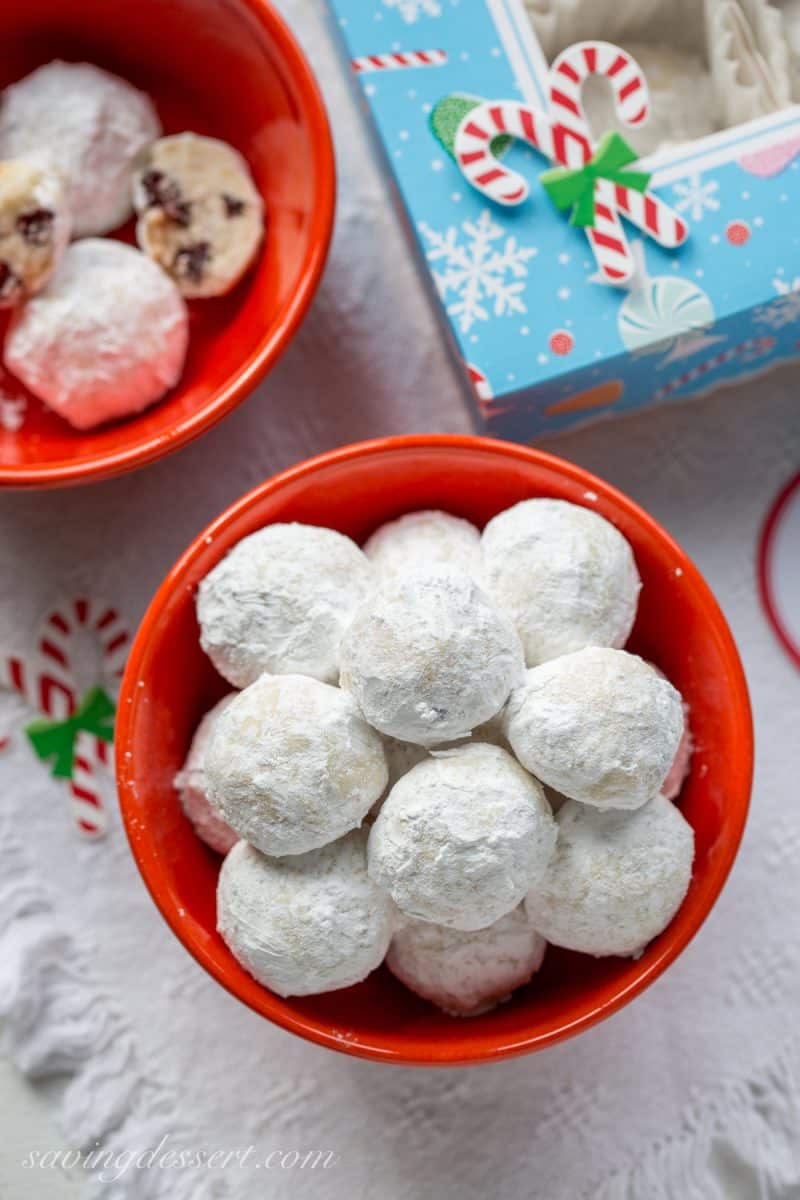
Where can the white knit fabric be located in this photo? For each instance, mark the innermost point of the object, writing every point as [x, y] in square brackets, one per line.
[690, 1093]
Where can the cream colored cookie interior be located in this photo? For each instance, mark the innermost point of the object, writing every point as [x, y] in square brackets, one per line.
[200, 214]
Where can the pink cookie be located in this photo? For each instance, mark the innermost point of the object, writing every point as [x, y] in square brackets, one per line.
[192, 789]
[105, 337]
[676, 777]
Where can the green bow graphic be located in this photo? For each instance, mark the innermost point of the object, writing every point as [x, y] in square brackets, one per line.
[56, 739]
[568, 187]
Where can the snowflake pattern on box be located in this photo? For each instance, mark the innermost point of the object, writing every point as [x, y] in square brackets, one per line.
[475, 273]
[696, 196]
[783, 311]
[412, 10]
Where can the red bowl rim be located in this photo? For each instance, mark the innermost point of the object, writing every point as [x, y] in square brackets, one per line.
[447, 1053]
[116, 462]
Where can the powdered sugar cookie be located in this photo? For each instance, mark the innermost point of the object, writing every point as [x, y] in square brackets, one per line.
[466, 973]
[34, 228]
[428, 657]
[105, 337]
[291, 764]
[201, 216]
[462, 837]
[89, 126]
[563, 574]
[280, 601]
[616, 879]
[600, 726]
[309, 923]
[426, 540]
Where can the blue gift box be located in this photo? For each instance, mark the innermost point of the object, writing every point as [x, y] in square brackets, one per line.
[545, 344]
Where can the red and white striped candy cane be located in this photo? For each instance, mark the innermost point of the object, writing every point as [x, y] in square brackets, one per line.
[567, 76]
[564, 137]
[52, 698]
[473, 147]
[52, 690]
[398, 61]
[574, 148]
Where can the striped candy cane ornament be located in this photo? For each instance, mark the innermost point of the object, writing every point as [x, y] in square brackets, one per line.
[74, 639]
[563, 136]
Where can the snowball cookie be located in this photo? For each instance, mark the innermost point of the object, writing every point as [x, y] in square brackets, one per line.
[89, 126]
[34, 228]
[292, 765]
[428, 657]
[201, 216]
[105, 337]
[304, 924]
[462, 837]
[565, 576]
[599, 725]
[192, 786]
[466, 973]
[616, 879]
[280, 602]
[425, 540]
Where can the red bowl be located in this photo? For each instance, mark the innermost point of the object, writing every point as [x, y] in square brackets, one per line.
[230, 69]
[169, 684]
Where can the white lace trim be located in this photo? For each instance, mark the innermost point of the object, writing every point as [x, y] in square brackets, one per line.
[742, 1140]
[58, 1021]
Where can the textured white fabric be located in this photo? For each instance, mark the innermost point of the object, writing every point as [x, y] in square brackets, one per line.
[695, 1083]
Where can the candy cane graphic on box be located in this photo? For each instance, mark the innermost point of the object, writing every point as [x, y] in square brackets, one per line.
[562, 135]
[50, 688]
[748, 351]
[399, 60]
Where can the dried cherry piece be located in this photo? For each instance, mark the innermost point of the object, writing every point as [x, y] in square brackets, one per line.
[190, 261]
[163, 192]
[234, 207]
[36, 227]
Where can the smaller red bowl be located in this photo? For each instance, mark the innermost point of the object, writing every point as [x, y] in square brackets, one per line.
[230, 69]
[169, 684]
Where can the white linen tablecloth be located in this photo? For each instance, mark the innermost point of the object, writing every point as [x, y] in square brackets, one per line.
[691, 1087]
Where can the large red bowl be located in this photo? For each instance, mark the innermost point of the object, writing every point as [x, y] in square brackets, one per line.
[170, 683]
[230, 69]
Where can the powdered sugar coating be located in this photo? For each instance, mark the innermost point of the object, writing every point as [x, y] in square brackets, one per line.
[566, 577]
[291, 764]
[306, 924]
[462, 837]
[599, 725]
[428, 658]
[280, 601]
[425, 540]
[192, 786]
[106, 336]
[87, 124]
[616, 879]
[466, 973]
